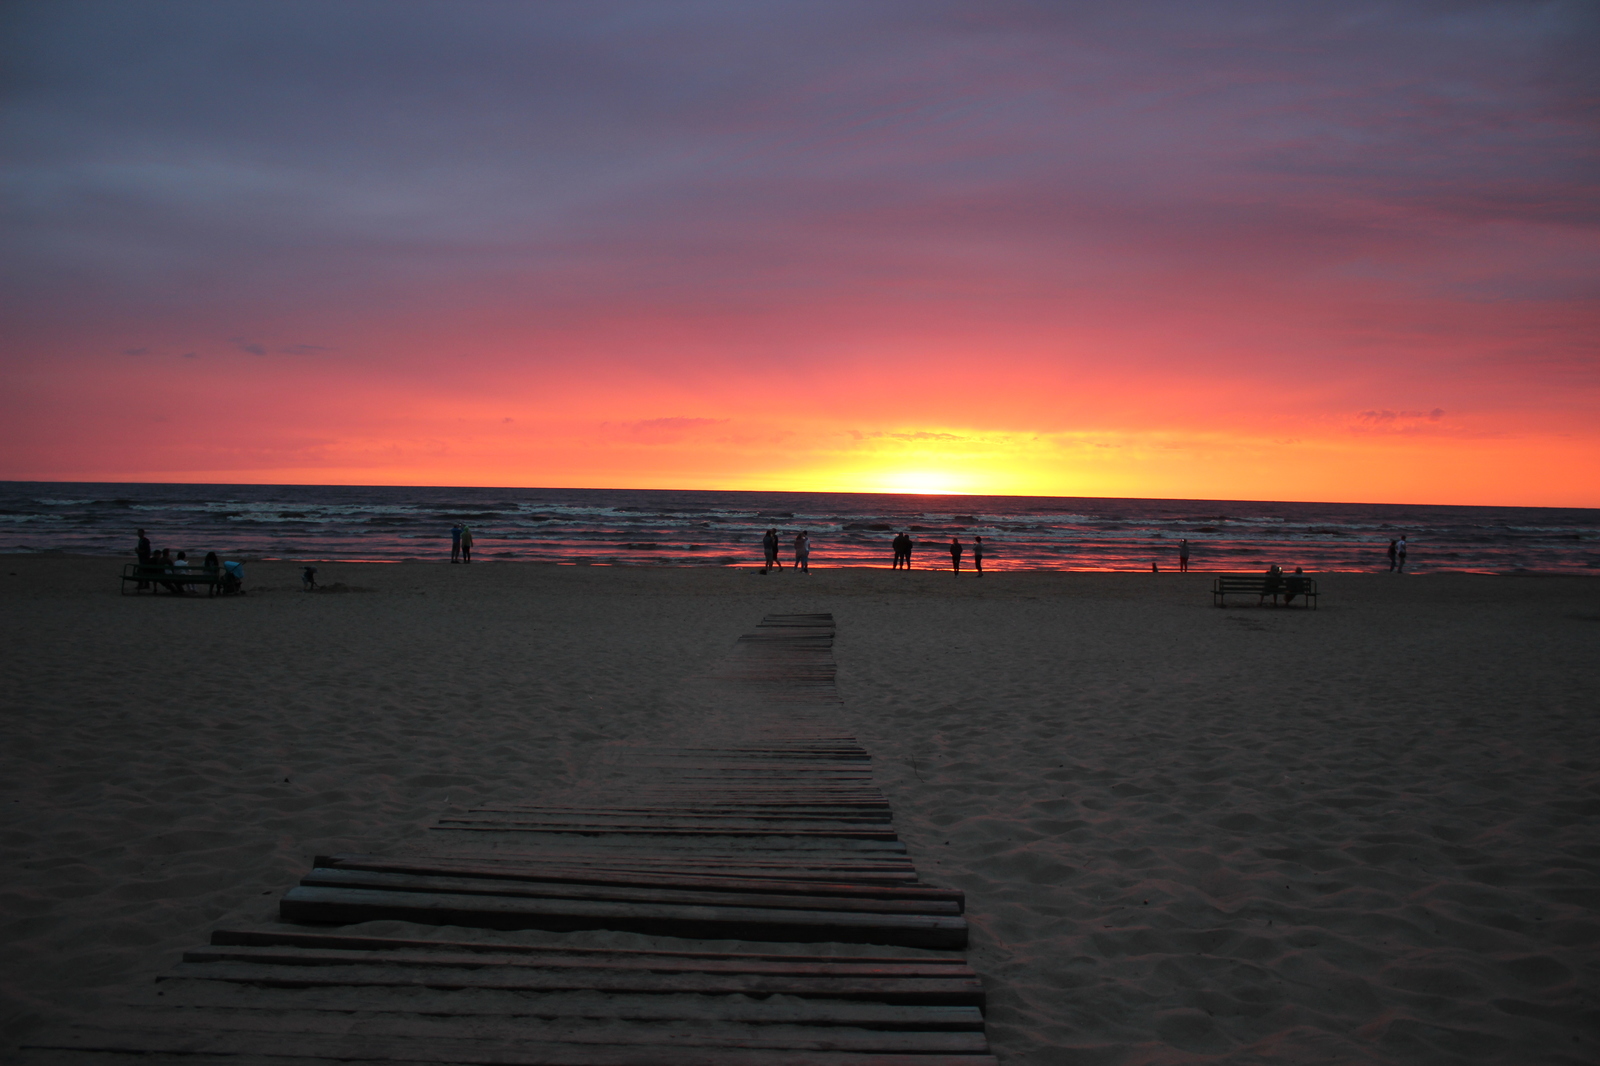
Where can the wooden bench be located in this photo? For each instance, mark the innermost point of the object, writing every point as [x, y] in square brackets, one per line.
[158, 577]
[1256, 585]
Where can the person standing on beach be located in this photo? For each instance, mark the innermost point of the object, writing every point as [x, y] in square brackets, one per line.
[143, 551]
[1394, 549]
[455, 543]
[802, 552]
[955, 556]
[466, 544]
[1400, 554]
[769, 551]
[977, 555]
[899, 549]
[1183, 556]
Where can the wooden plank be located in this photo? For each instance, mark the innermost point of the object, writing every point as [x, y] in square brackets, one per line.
[676, 828]
[493, 1004]
[633, 837]
[300, 938]
[775, 824]
[927, 990]
[289, 955]
[347, 905]
[406, 881]
[746, 811]
[608, 852]
[363, 1048]
[579, 1032]
[541, 872]
[712, 860]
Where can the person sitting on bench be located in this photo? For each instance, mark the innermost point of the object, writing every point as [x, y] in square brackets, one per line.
[1274, 582]
[1294, 585]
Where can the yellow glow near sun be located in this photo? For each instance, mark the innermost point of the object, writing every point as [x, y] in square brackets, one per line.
[924, 482]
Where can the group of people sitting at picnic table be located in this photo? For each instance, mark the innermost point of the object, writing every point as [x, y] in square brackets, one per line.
[156, 565]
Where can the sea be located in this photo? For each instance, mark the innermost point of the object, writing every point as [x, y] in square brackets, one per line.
[627, 527]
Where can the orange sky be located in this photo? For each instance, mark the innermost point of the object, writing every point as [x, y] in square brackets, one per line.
[918, 247]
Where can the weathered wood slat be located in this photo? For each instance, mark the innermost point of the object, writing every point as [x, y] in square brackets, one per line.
[929, 990]
[492, 1004]
[345, 905]
[357, 1047]
[827, 845]
[274, 937]
[503, 887]
[323, 956]
[777, 1036]
[708, 862]
[749, 812]
[774, 825]
[542, 872]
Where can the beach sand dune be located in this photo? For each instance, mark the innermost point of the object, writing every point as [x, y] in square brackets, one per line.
[1360, 834]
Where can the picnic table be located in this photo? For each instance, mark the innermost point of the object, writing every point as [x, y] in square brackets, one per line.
[1261, 586]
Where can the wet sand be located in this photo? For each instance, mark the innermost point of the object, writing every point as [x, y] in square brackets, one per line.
[1364, 833]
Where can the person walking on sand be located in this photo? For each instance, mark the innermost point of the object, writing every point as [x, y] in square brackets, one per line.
[1400, 555]
[466, 544]
[802, 552]
[455, 543]
[1394, 549]
[1183, 556]
[977, 555]
[143, 552]
[769, 551]
[955, 556]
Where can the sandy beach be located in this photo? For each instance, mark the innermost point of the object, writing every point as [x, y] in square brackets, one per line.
[1364, 833]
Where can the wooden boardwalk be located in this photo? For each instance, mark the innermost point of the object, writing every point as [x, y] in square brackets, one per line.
[757, 823]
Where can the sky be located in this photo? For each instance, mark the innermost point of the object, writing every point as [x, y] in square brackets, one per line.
[1344, 251]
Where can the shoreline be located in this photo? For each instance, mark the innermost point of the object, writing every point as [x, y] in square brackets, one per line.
[250, 560]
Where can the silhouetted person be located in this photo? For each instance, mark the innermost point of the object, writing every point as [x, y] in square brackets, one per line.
[143, 551]
[955, 556]
[1183, 556]
[1294, 585]
[211, 562]
[802, 552]
[466, 544]
[455, 543]
[1394, 549]
[1400, 554]
[769, 551]
[908, 545]
[308, 578]
[1274, 584]
[165, 562]
[977, 555]
[899, 550]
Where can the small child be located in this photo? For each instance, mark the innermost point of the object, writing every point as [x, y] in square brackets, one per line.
[308, 578]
